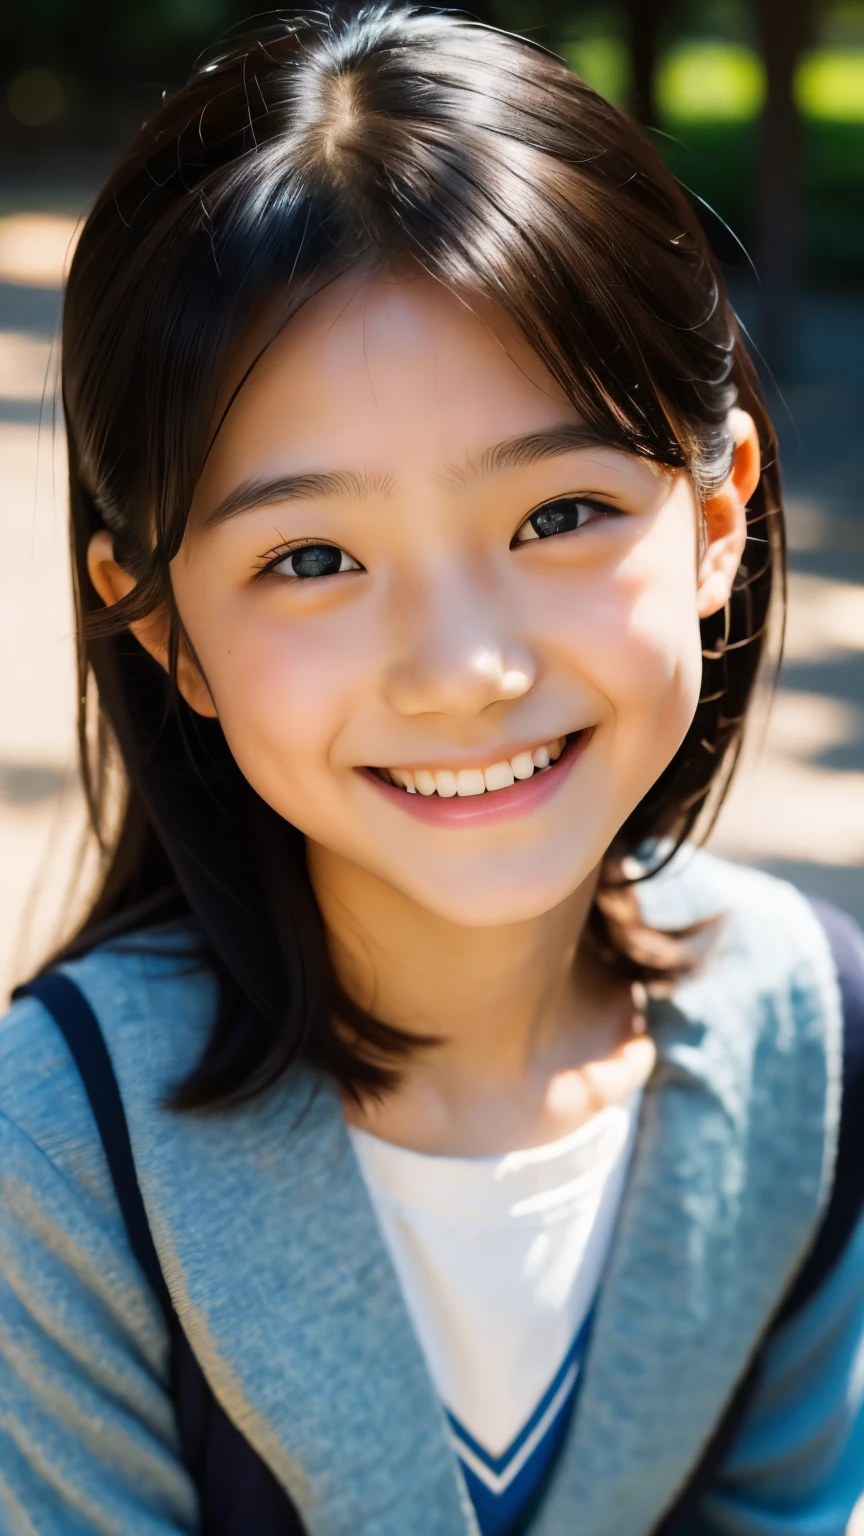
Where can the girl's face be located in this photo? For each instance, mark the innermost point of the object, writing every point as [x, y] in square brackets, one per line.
[408, 566]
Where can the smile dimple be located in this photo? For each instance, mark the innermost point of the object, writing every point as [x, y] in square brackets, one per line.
[447, 782]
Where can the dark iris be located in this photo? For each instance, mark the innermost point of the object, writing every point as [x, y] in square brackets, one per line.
[316, 560]
[560, 516]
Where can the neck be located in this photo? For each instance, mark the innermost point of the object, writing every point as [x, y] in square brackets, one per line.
[514, 1009]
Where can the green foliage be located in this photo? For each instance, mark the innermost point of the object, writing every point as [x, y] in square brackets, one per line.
[716, 159]
[710, 94]
[602, 61]
[830, 85]
[710, 81]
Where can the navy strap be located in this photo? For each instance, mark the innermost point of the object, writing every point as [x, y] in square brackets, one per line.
[78, 1025]
[237, 1492]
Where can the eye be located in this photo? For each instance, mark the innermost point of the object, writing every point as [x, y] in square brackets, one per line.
[564, 515]
[309, 560]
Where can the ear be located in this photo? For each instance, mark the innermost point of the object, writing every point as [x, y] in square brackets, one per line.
[113, 582]
[725, 517]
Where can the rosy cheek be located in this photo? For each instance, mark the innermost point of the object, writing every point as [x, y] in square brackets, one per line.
[284, 688]
[661, 640]
[275, 684]
[633, 636]
[656, 589]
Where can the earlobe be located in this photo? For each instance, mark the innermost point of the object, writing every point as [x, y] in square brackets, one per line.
[192, 685]
[725, 514]
[113, 582]
[110, 579]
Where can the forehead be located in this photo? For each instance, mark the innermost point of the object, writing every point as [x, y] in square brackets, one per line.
[377, 371]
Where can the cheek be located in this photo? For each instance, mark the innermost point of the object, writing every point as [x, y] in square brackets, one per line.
[633, 633]
[284, 693]
[654, 671]
[657, 661]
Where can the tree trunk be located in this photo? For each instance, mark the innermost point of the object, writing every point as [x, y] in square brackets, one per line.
[644, 19]
[784, 29]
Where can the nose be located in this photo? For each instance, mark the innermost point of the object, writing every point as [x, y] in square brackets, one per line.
[456, 651]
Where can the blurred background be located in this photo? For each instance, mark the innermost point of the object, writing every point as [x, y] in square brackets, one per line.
[758, 107]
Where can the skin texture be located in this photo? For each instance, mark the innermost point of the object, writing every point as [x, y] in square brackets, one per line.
[449, 647]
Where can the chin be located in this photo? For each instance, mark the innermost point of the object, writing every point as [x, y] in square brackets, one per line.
[497, 898]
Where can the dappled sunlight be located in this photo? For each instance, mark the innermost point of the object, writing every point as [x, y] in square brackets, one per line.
[711, 80]
[36, 248]
[827, 617]
[25, 366]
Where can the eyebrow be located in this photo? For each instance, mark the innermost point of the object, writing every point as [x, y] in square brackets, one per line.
[530, 448]
[350, 484]
[335, 484]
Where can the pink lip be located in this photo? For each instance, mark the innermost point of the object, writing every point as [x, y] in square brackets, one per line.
[467, 810]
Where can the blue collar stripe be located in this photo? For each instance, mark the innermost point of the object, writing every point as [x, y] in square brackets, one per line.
[569, 1368]
[502, 1487]
[503, 1513]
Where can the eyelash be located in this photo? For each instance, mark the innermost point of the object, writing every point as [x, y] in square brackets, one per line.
[599, 510]
[280, 552]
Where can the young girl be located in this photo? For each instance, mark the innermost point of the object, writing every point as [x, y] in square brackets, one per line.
[485, 1160]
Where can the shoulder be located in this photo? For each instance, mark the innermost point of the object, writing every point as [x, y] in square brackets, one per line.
[83, 1340]
[697, 885]
[759, 1024]
[766, 952]
[154, 1000]
[763, 937]
[62, 1233]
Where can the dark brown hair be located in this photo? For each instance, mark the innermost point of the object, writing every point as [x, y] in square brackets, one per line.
[289, 157]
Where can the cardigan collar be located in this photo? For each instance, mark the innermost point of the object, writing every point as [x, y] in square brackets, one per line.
[287, 1294]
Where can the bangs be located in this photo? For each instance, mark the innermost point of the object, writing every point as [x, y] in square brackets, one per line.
[342, 156]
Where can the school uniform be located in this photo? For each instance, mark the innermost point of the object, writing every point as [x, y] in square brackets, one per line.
[295, 1302]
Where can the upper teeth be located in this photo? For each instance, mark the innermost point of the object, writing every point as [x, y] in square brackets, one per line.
[476, 781]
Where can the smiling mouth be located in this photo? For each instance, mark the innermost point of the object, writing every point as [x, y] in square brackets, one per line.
[445, 783]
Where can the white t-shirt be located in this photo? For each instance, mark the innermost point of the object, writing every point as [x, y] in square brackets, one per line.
[499, 1259]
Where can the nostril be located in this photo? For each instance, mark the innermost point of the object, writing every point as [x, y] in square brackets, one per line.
[515, 682]
[460, 682]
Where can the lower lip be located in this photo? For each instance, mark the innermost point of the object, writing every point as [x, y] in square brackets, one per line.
[495, 805]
